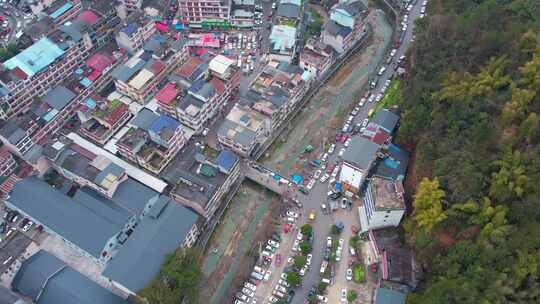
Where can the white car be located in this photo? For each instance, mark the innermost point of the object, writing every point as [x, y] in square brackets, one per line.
[345, 128]
[295, 245]
[303, 271]
[338, 255]
[273, 299]
[322, 299]
[352, 251]
[28, 226]
[423, 10]
[348, 275]
[324, 178]
[324, 157]
[371, 98]
[422, 15]
[329, 242]
[236, 301]
[409, 8]
[250, 286]
[365, 122]
[343, 205]
[332, 148]
[267, 275]
[308, 259]
[310, 184]
[248, 292]
[335, 172]
[291, 220]
[292, 214]
[284, 283]
[281, 288]
[393, 52]
[343, 295]
[242, 297]
[299, 236]
[341, 241]
[317, 174]
[273, 243]
[379, 97]
[347, 142]
[283, 276]
[362, 102]
[290, 261]
[424, 3]
[340, 154]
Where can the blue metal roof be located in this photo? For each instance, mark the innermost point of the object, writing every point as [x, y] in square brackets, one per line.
[129, 29]
[61, 10]
[226, 160]
[164, 122]
[36, 57]
[389, 296]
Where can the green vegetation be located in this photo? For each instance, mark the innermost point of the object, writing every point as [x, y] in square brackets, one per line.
[335, 230]
[305, 247]
[293, 278]
[288, 22]
[354, 241]
[392, 98]
[306, 230]
[8, 52]
[314, 28]
[470, 112]
[359, 273]
[299, 261]
[352, 296]
[321, 288]
[179, 278]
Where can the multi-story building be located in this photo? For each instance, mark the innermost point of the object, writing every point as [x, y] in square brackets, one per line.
[47, 114]
[131, 5]
[139, 76]
[198, 11]
[276, 91]
[358, 159]
[345, 26]
[384, 204]
[135, 32]
[61, 11]
[43, 65]
[207, 95]
[283, 43]
[84, 167]
[101, 119]
[243, 130]
[7, 162]
[164, 227]
[202, 177]
[316, 57]
[152, 141]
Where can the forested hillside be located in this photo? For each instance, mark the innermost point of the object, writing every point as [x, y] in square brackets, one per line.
[471, 110]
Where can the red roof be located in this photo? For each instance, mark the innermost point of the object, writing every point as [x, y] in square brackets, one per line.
[94, 75]
[218, 85]
[189, 67]
[160, 26]
[89, 155]
[119, 111]
[19, 73]
[167, 94]
[380, 137]
[4, 153]
[99, 61]
[89, 17]
[157, 67]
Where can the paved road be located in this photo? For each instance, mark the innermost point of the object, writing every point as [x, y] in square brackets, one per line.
[319, 193]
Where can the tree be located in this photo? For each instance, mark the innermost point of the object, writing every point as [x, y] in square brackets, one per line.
[305, 247]
[528, 129]
[511, 180]
[293, 278]
[427, 204]
[321, 288]
[306, 229]
[353, 241]
[179, 277]
[299, 261]
[335, 230]
[352, 296]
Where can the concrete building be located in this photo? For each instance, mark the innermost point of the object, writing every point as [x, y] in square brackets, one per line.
[152, 140]
[316, 57]
[88, 222]
[45, 279]
[135, 32]
[131, 5]
[197, 11]
[384, 204]
[165, 226]
[358, 160]
[139, 76]
[243, 130]
[84, 167]
[201, 177]
[283, 43]
[7, 162]
[345, 26]
[47, 114]
[276, 91]
[207, 95]
[101, 119]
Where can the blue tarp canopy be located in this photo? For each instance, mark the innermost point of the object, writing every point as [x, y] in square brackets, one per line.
[297, 179]
[338, 186]
[276, 177]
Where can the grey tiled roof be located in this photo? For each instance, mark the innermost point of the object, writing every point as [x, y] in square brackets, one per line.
[361, 152]
[59, 97]
[159, 233]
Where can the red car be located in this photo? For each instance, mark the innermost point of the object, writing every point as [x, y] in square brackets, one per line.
[277, 262]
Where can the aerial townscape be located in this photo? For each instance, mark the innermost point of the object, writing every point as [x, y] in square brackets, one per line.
[269, 151]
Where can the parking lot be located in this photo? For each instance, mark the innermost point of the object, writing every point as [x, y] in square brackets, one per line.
[14, 16]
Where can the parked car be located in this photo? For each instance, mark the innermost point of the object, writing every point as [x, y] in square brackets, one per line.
[343, 297]
[332, 148]
[340, 154]
[310, 184]
[317, 174]
[348, 275]
[329, 242]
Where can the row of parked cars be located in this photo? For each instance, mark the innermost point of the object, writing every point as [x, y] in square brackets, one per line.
[260, 272]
